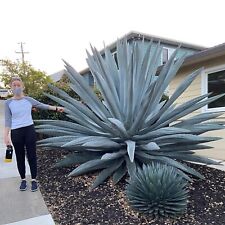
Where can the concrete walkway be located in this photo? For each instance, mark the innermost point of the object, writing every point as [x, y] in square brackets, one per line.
[16, 207]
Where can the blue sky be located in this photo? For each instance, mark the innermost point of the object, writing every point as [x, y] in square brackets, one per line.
[56, 29]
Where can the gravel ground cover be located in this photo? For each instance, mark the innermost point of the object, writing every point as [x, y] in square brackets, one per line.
[71, 202]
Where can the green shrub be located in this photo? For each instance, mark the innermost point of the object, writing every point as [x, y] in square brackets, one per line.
[41, 97]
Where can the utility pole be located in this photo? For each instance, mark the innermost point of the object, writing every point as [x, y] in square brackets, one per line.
[22, 51]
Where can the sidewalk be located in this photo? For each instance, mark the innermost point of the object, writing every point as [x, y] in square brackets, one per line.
[18, 208]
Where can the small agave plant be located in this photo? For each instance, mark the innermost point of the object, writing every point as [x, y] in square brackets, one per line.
[131, 125]
[158, 190]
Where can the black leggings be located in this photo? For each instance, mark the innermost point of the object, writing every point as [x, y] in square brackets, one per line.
[25, 138]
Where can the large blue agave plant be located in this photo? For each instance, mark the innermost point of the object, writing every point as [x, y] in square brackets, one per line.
[132, 125]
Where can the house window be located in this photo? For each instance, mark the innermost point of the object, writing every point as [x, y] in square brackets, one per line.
[216, 85]
[213, 81]
[166, 53]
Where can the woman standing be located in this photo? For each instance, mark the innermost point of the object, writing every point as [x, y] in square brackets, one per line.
[18, 122]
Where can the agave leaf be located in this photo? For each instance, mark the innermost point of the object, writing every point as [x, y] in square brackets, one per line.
[149, 158]
[119, 173]
[70, 127]
[184, 175]
[161, 132]
[181, 88]
[57, 139]
[83, 119]
[167, 73]
[153, 66]
[112, 67]
[199, 118]
[140, 117]
[202, 128]
[200, 105]
[91, 165]
[122, 56]
[131, 166]
[153, 123]
[51, 144]
[58, 123]
[109, 100]
[53, 132]
[171, 153]
[143, 70]
[81, 107]
[180, 112]
[150, 146]
[81, 122]
[119, 126]
[79, 141]
[130, 83]
[152, 114]
[183, 138]
[176, 62]
[76, 158]
[106, 83]
[101, 142]
[131, 149]
[181, 147]
[114, 155]
[192, 158]
[104, 174]
[49, 126]
[84, 91]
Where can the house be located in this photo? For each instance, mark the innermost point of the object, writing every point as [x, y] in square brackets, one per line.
[58, 76]
[168, 45]
[212, 79]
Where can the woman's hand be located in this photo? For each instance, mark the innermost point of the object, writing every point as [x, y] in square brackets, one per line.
[7, 140]
[59, 109]
[34, 109]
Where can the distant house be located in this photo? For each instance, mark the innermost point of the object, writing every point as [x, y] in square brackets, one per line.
[58, 76]
[212, 80]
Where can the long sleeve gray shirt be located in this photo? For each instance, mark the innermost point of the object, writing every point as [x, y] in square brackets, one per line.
[18, 111]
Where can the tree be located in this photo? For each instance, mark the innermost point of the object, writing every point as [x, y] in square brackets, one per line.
[35, 81]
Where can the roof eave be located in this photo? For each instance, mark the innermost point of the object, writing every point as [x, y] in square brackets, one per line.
[204, 56]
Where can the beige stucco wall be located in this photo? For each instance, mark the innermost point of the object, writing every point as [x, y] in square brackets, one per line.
[195, 90]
